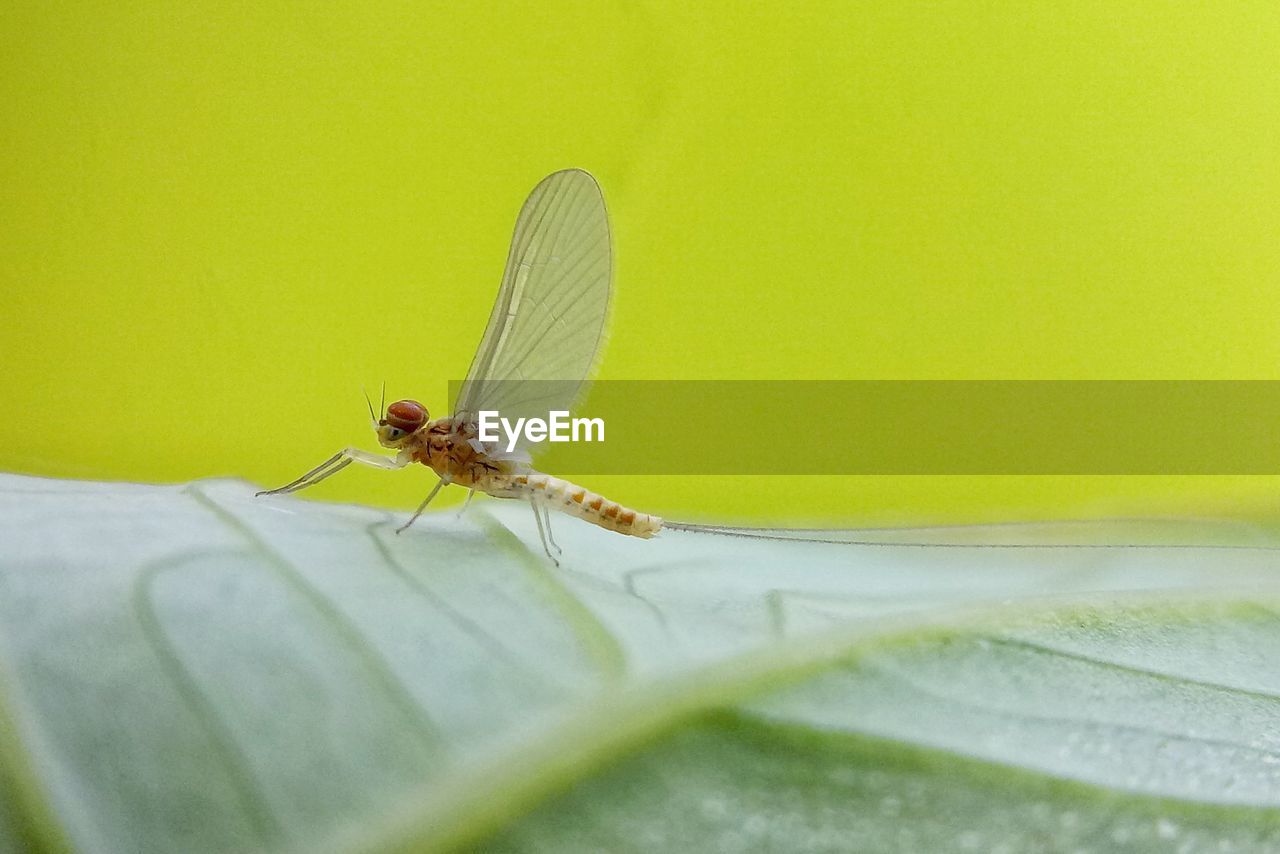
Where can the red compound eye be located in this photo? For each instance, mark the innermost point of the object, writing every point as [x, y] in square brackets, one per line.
[408, 415]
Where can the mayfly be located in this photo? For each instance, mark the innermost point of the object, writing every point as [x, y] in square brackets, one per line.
[543, 337]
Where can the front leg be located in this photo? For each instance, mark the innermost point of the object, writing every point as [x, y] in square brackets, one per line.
[337, 463]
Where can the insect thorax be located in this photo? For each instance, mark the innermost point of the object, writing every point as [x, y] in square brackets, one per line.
[451, 448]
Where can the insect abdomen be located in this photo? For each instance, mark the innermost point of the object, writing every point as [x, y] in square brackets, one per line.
[575, 500]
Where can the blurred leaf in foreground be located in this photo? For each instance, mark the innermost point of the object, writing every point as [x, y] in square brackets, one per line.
[187, 668]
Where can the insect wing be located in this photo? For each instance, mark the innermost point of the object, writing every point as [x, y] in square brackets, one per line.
[547, 323]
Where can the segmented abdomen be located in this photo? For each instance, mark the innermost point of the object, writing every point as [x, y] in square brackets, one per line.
[559, 494]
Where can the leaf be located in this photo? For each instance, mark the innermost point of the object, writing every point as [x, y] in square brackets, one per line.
[189, 668]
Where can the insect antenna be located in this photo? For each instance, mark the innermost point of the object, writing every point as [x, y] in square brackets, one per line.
[382, 404]
[372, 418]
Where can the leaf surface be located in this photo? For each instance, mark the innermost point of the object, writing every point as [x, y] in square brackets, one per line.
[188, 668]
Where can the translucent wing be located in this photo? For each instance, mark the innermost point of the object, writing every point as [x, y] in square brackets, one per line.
[547, 323]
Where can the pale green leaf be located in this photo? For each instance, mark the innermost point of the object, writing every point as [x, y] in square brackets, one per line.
[192, 669]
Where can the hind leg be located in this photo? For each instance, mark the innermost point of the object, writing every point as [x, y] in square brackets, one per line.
[542, 531]
[546, 520]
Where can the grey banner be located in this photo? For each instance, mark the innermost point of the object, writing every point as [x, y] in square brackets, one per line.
[913, 427]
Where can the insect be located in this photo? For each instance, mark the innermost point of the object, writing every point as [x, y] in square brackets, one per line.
[543, 337]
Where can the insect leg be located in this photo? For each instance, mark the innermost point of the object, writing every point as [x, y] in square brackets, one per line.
[546, 518]
[333, 465]
[542, 532]
[471, 493]
[423, 505]
[376, 460]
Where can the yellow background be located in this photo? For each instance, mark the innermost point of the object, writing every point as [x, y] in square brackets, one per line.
[219, 221]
